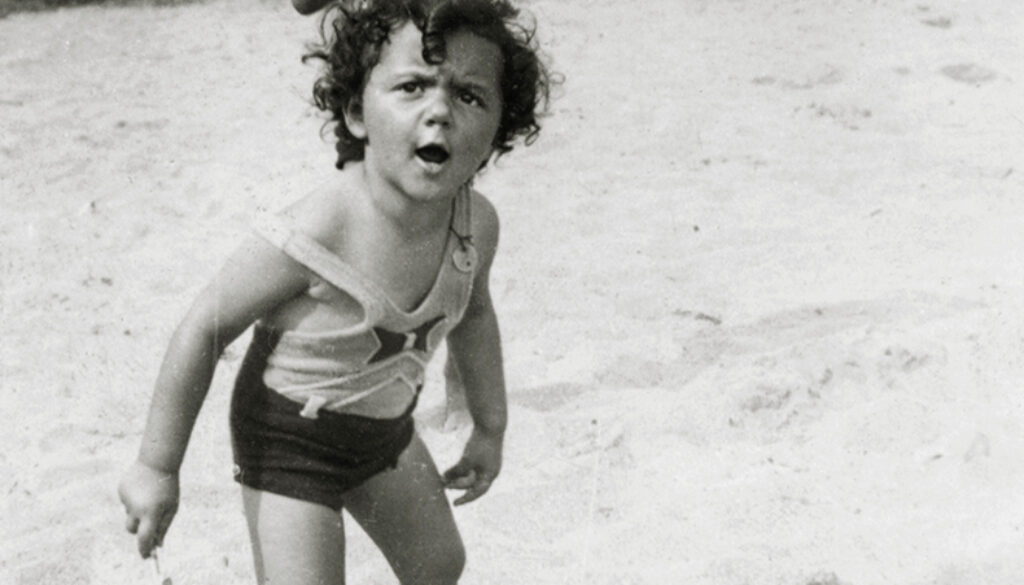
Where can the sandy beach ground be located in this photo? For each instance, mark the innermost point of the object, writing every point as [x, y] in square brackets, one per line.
[761, 287]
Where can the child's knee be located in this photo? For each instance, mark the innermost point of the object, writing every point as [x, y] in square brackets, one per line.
[454, 561]
[442, 566]
[447, 565]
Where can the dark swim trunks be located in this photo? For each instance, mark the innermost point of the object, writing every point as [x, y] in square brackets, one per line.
[315, 460]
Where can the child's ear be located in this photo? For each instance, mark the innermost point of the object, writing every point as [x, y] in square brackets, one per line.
[354, 119]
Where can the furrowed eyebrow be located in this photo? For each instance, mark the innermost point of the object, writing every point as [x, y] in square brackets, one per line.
[415, 73]
[474, 83]
[481, 88]
[473, 86]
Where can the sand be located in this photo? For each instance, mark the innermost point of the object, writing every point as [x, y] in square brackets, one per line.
[761, 289]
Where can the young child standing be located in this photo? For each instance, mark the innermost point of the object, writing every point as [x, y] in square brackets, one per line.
[351, 290]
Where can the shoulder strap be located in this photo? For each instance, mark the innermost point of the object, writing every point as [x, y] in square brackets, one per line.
[464, 259]
[316, 257]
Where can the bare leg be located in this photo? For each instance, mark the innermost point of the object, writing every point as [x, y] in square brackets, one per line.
[294, 542]
[405, 511]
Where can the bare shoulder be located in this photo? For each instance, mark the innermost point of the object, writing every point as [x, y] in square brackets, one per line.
[485, 224]
[320, 214]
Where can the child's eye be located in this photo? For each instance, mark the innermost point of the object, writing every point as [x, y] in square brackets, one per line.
[470, 98]
[410, 86]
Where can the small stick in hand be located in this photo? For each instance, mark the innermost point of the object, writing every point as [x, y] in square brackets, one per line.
[156, 569]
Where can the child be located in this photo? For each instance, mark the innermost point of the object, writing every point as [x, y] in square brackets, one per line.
[351, 289]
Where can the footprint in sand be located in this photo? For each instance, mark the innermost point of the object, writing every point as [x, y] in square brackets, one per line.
[848, 116]
[969, 73]
[826, 75]
[934, 21]
[938, 22]
[825, 579]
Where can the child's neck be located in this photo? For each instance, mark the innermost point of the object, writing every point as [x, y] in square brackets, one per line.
[406, 216]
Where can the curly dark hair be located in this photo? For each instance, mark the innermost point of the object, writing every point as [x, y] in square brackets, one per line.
[354, 31]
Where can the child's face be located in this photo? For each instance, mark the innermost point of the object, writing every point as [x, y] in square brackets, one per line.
[429, 127]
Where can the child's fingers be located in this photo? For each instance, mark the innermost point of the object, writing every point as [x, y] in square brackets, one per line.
[131, 523]
[459, 470]
[165, 523]
[146, 536]
[461, 481]
[478, 489]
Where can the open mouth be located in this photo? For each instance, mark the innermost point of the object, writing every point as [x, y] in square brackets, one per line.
[432, 153]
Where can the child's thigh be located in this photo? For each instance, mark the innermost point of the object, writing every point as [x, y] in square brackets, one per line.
[294, 542]
[406, 513]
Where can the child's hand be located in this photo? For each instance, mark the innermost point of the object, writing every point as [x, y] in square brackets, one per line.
[150, 499]
[480, 464]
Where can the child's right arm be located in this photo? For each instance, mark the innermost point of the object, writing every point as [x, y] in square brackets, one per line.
[256, 279]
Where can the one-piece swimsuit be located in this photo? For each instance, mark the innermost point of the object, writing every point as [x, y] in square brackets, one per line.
[316, 414]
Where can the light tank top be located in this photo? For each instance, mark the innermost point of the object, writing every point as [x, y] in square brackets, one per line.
[376, 367]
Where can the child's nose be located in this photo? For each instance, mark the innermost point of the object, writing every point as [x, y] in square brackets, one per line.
[439, 109]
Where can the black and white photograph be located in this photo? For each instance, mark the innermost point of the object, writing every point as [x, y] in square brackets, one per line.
[546, 292]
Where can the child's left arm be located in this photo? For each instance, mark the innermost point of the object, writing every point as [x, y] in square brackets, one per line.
[475, 347]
